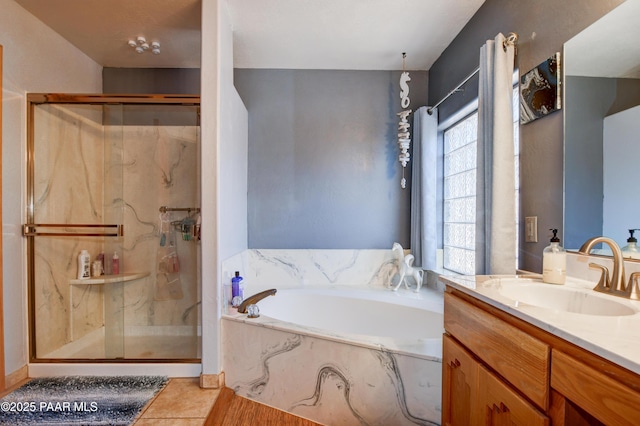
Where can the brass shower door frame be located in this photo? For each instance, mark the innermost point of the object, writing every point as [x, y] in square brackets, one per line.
[30, 229]
[2, 373]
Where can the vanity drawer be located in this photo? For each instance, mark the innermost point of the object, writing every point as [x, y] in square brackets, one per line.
[604, 398]
[524, 364]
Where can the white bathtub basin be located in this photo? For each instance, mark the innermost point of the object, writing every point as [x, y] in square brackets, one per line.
[360, 312]
[566, 298]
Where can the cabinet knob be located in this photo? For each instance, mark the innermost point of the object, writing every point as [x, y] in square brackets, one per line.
[455, 363]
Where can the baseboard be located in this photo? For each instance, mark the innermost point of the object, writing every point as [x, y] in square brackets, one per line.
[16, 377]
[212, 381]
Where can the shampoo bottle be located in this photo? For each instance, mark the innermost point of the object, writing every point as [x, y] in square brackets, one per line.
[235, 285]
[631, 250]
[102, 265]
[84, 265]
[554, 261]
[115, 264]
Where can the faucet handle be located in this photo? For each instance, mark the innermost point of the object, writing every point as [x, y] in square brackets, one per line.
[633, 290]
[604, 284]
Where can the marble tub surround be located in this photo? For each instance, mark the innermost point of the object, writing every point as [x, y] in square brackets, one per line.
[616, 338]
[327, 381]
[335, 371]
[281, 268]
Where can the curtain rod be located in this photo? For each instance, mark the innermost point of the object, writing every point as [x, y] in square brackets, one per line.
[456, 89]
[510, 40]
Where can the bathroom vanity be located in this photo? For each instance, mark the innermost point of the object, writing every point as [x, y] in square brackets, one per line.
[518, 351]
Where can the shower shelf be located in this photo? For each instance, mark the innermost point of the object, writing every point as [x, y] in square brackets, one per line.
[108, 279]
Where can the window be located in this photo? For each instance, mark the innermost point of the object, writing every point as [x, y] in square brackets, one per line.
[459, 172]
[459, 233]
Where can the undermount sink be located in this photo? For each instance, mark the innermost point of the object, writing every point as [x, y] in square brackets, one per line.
[562, 298]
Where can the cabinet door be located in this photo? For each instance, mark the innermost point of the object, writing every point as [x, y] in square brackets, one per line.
[519, 358]
[498, 404]
[608, 400]
[459, 384]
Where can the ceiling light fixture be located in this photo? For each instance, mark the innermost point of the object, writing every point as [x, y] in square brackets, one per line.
[141, 45]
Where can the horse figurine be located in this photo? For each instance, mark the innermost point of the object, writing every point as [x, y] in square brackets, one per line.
[406, 268]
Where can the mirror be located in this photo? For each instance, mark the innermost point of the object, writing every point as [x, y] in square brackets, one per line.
[602, 128]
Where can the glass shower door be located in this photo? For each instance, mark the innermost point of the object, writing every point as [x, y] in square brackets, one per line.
[162, 198]
[98, 165]
[74, 204]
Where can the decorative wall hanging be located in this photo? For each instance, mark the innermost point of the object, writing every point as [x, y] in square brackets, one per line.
[404, 135]
[540, 90]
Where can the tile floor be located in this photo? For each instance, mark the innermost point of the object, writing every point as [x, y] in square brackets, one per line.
[181, 403]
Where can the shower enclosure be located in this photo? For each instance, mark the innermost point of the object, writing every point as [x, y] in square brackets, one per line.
[117, 176]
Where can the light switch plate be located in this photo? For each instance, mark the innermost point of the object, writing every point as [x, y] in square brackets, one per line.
[531, 229]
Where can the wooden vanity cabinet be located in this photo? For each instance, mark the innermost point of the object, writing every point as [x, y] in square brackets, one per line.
[459, 383]
[478, 358]
[597, 398]
[500, 370]
[472, 395]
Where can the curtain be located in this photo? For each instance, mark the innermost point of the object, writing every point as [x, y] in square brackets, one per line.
[423, 188]
[495, 178]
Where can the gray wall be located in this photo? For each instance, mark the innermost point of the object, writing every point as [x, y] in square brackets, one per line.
[323, 169]
[543, 27]
[184, 81]
[591, 99]
[583, 152]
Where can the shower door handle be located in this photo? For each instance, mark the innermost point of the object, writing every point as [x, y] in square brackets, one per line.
[59, 230]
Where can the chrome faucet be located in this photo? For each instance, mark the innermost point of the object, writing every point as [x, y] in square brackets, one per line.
[252, 300]
[614, 284]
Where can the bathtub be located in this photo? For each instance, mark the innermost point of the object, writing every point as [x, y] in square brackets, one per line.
[339, 355]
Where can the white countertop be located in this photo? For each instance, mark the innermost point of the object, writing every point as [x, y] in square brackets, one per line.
[616, 338]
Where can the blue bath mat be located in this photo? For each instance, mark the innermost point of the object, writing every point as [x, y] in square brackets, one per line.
[79, 400]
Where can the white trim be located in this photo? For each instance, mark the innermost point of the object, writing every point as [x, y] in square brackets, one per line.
[142, 369]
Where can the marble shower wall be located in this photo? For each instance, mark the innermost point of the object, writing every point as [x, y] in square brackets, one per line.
[68, 188]
[159, 167]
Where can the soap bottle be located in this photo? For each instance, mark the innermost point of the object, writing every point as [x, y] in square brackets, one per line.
[84, 265]
[101, 260]
[554, 261]
[115, 264]
[631, 250]
[236, 289]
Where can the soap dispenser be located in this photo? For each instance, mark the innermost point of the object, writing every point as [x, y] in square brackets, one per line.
[554, 261]
[631, 250]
